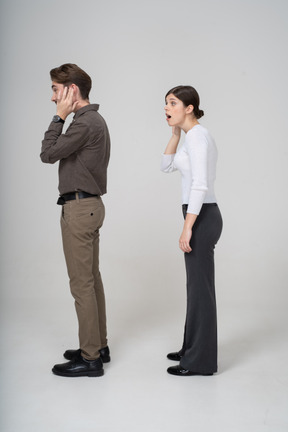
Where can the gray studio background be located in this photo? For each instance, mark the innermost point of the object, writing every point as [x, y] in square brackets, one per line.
[235, 54]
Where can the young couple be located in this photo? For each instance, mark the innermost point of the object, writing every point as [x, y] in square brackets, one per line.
[83, 153]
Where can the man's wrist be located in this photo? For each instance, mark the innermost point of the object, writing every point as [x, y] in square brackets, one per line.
[62, 115]
[58, 119]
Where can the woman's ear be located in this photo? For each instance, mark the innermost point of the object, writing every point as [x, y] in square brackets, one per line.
[189, 109]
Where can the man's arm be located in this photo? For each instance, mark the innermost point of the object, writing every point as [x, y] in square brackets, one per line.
[56, 145]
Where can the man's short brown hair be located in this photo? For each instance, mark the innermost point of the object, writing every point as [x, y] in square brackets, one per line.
[70, 73]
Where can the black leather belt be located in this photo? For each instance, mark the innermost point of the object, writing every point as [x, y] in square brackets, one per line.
[73, 196]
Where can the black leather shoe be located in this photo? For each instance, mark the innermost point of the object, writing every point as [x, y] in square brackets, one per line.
[176, 356]
[73, 354]
[80, 367]
[105, 354]
[180, 371]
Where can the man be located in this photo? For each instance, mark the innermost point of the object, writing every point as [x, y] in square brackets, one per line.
[83, 151]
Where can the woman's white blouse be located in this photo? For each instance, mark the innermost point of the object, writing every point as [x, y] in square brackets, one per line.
[196, 160]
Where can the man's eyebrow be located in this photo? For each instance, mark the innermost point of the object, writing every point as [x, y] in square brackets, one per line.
[53, 86]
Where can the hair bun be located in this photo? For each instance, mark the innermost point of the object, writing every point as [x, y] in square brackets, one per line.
[200, 113]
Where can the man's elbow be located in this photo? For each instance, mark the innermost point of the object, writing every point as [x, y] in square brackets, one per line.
[46, 159]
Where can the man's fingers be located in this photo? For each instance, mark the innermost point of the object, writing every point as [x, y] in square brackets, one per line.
[66, 92]
[70, 93]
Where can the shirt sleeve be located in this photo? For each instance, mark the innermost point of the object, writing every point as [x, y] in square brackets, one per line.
[167, 163]
[56, 146]
[197, 146]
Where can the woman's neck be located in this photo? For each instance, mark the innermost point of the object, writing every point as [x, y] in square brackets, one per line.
[189, 124]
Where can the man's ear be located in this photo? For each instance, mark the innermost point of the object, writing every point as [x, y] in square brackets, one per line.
[76, 91]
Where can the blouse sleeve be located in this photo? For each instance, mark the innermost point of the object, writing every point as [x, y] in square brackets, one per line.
[197, 146]
[167, 163]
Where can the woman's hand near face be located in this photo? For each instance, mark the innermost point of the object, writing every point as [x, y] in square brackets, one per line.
[176, 131]
[174, 141]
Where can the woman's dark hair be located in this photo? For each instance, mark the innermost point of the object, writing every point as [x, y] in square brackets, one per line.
[68, 74]
[189, 96]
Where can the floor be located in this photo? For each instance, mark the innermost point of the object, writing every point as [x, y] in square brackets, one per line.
[249, 393]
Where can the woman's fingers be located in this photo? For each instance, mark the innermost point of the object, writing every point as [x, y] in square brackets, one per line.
[185, 247]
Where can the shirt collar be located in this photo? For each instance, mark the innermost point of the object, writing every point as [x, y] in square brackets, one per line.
[90, 107]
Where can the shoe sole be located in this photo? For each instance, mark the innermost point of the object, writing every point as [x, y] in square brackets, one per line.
[79, 374]
[189, 374]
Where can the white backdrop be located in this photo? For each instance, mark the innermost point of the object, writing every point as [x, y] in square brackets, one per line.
[235, 54]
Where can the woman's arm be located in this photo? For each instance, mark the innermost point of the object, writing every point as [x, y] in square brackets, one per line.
[167, 164]
[184, 241]
[198, 155]
[174, 141]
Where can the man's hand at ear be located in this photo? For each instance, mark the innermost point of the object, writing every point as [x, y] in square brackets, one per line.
[65, 103]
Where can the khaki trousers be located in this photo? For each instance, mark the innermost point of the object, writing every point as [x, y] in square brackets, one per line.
[81, 220]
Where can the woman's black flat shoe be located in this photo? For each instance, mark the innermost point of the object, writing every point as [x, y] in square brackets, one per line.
[180, 371]
[175, 356]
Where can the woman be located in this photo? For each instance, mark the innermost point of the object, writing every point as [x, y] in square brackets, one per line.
[196, 161]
